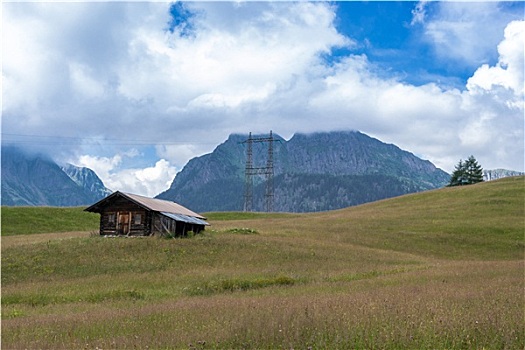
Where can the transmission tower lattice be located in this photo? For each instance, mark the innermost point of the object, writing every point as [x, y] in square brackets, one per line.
[251, 171]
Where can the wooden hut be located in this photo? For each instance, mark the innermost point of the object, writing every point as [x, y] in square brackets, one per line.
[125, 214]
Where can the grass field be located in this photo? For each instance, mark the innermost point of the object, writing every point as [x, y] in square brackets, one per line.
[436, 270]
[29, 220]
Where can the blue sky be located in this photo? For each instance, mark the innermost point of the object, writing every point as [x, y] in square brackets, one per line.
[385, 33]
[134, 90]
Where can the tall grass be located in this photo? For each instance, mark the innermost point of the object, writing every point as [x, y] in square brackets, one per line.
[442, 269]
[483, 221]
[453, 306]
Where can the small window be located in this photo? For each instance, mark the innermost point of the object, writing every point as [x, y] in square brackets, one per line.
[111, 218]
[137, 220]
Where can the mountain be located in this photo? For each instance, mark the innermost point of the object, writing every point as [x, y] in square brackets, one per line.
[495, 174]
[312, 172]
[87, 179]
[31, 180]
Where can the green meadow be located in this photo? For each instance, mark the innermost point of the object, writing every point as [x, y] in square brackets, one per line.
[30, 220]
[442, 269]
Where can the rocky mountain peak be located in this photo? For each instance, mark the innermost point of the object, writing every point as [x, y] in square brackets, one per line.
[304, 167]
[34, 179]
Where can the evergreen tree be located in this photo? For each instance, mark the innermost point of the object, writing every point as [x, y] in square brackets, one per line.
[473, 171]
[466, 173]
[458, 176]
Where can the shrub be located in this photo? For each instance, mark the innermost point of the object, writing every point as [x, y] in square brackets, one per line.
[238, 285]
[243, 231]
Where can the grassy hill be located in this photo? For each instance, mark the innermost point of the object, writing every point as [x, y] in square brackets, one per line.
[440, 269]
[483, 221]
[30, 220]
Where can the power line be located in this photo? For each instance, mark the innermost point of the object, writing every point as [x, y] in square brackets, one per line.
[56, 139]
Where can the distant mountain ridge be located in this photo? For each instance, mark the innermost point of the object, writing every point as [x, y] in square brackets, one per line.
[494, 174]
[87, 179]
[320, 171]
[34, 180]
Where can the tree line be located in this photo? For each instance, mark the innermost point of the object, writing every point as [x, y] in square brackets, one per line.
[466, 173]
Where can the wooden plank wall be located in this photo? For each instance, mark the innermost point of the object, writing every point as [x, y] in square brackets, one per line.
[110, 216]
[150, 223]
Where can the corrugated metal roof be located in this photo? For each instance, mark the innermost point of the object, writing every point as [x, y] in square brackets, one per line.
[153, 204]
[185, 218]
[163, 206]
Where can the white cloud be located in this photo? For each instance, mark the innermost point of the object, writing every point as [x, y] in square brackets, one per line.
[508, 72]
[464, 32]
[83, 83]
[420, 119]
[102, 166]
[110, 71]
[443, 125]
[148, 181]
[180, 154]
[494, 101]
[221, 68]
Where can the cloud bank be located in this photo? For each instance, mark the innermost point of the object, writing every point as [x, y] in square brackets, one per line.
[112, 77]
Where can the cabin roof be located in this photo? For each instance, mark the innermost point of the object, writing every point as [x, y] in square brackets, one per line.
[185, 218]
[159, 205]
